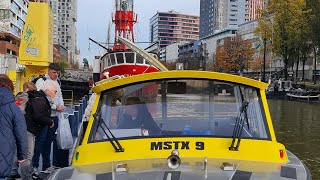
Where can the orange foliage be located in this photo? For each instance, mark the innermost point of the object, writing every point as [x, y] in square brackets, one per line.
[234, 55]
[257, 63]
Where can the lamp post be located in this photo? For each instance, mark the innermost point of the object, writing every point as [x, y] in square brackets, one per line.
[315, 66]
[263, 79]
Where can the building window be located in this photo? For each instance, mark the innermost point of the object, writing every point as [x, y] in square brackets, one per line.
[4, 14]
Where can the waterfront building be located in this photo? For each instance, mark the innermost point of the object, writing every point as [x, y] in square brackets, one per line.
[210, 42]
[275, 63]
[255, 6]
[188, 49]
[59, 52]
[12, 18]
[65, 18]
[217, 15]
[170, 53]
[173, 27]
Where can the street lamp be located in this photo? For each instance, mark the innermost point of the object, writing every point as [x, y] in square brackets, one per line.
[315, 65]
[263, 79]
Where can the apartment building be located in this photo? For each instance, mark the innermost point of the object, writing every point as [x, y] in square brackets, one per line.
[12, 19]
[65, 32]
[173, 27]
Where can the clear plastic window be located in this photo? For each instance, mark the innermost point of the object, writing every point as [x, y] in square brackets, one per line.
[120, 59]
[139, 59]
[112, 60]
[181, 107]
[130, 57]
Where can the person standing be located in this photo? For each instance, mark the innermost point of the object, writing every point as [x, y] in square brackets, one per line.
[37, 111]
[13, 129]
[57, 105]
[90, 84]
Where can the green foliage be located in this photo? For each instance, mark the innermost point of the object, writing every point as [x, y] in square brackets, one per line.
[289, 24]
[63, 64]
[314, 23]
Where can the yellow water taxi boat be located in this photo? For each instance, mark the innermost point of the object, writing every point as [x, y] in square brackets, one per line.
[196, 125]
[175, 125]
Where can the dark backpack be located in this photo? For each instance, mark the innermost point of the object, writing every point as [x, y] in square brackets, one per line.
[34, 81]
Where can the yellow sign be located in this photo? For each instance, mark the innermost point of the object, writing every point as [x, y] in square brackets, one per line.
[36, 46]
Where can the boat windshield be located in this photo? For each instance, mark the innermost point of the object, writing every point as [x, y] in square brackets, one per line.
[178, 108]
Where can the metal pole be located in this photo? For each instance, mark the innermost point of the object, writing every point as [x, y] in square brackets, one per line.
[264, 59]
[315, 66]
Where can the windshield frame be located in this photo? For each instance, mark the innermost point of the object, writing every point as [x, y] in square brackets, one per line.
[261, 104]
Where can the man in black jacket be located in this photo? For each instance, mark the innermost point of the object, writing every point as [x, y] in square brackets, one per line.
[40, 108]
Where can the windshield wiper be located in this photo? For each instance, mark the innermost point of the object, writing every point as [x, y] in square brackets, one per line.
[237, 131]
[117, 146]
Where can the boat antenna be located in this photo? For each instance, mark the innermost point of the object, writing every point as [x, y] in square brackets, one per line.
[108, 36]
[100, 44]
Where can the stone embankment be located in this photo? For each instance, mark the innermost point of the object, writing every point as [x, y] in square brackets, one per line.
[76, 75]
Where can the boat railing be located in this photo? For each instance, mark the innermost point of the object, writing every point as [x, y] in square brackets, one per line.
[198, 114]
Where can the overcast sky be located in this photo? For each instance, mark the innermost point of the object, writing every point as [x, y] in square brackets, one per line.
[95, 15]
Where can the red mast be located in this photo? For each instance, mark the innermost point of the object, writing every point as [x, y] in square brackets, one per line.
[124, 19]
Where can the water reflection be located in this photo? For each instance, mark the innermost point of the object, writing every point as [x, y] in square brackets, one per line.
[297, 126]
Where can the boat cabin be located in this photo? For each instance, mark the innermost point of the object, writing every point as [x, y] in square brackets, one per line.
[182, 125]
[125, 62]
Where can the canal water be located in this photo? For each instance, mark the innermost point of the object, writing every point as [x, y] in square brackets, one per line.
[297, 126]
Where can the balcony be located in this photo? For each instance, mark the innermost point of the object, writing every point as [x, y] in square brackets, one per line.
[15, 8]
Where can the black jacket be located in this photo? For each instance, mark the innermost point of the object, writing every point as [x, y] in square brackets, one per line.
[38, 111]
[13, 132]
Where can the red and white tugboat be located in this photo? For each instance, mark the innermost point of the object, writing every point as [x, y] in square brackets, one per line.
[121, 60]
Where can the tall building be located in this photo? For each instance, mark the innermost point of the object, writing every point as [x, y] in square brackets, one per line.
[172, 27]
[218, 15]
[12, 18]
[65, 18]
[254, 7]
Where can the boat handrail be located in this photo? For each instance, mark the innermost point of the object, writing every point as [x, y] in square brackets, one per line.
[108, 79]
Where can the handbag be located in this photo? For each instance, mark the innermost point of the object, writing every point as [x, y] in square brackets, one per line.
[64, 135]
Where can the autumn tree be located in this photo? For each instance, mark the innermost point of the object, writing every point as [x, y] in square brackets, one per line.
[234, 55]
[290, 30]
[314, 23]
[302, 33]
[257, 64]
[264, 32]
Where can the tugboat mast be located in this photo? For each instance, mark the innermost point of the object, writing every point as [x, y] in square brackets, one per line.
[124, 19]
